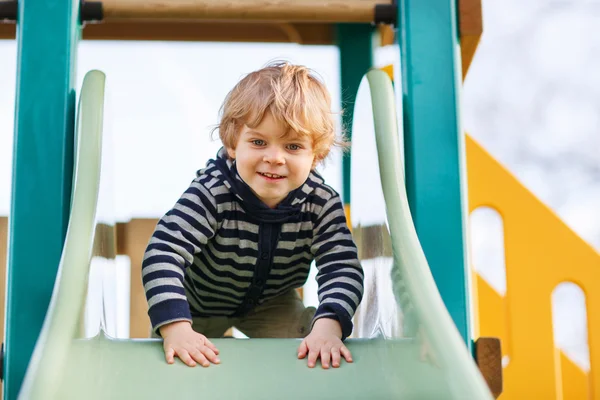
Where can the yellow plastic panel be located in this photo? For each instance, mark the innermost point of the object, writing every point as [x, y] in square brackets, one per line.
[574, 383]
[540, 252]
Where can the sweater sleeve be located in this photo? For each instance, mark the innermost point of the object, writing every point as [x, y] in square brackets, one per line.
[179, 235]
[340, 275]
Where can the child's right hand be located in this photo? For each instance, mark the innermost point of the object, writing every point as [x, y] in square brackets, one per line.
[179, 339]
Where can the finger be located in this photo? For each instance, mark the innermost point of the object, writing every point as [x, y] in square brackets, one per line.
[169, 355]
[335, 357]
[209, 354]
[211, 345]
[312, 357]
[325, 357]
[184, 356]
[197, 355]
[303, 349]
[346, 353]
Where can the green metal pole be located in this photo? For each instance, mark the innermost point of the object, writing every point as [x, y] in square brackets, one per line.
[47, 37]
[434, 145]
[355, 42]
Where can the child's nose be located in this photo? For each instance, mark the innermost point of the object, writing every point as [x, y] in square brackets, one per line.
[274, 156]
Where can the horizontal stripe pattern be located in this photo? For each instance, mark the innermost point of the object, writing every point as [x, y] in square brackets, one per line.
[202, 255]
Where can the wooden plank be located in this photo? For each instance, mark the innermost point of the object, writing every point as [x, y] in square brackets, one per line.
[7, 31]
[211, 32]
[132, 240]
[488, 354]
[470, 27]
[260, 32]
[332, 11]
[191, 31]
[373, 241]
[387, 35]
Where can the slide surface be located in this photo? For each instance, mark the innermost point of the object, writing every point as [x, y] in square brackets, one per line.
[422, 357]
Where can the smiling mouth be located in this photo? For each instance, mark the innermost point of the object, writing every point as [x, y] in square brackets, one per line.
[271, 176]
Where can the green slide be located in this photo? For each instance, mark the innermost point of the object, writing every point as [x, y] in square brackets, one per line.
[424, 358]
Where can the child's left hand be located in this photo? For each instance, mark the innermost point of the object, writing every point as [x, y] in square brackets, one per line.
[325, 341]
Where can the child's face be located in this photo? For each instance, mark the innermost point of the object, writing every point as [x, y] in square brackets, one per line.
[272, 162]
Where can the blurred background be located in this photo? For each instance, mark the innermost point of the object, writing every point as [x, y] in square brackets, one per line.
[531, 98]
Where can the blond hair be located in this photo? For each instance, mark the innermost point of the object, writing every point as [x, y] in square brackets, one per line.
[293, 96]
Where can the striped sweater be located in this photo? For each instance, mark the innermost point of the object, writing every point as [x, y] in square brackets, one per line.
[220, 251]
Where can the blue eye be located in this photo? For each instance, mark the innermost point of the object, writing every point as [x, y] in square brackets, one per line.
[294, 147]
[258, 142]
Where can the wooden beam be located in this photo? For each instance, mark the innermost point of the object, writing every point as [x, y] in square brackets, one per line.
[132, 240]
[332, 11]
[470, 24]
[195, 31]
[7, 31]
[373, 241]
[211, 32]
[387, 35]
[470, 27]
[488, 355]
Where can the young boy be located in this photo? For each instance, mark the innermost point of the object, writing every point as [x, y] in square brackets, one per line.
[242, 237]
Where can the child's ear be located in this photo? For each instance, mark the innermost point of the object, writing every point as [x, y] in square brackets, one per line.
[231, 153]
[316, 161]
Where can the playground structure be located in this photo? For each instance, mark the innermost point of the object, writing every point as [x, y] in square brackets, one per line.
[435, 363]
[521, 318]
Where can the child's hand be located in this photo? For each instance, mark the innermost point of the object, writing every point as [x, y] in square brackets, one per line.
[325, 341]
[179, 339]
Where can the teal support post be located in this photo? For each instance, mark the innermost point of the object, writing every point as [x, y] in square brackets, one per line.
[47, 33]
[434, 145]
[355, 42]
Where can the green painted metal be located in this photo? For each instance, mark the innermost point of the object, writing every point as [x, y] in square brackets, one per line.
[61, 324]
[431, 365]
[355, 42]
[434, 146]
[47, 35]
